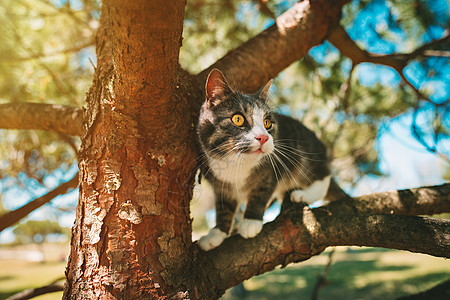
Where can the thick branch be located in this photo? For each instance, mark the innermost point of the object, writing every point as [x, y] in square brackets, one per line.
[298, 235]
[415, 234]
[12, 217]
[50, 117]
[303, 26]
[419, 201]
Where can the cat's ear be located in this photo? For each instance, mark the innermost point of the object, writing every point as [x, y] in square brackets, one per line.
[216, 86]
[264, 92]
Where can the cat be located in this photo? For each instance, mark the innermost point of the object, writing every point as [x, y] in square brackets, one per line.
[253, 155]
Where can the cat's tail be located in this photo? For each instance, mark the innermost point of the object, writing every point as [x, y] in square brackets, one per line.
[335, 192]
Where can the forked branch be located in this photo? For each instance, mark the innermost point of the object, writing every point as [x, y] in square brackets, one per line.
[341, 40]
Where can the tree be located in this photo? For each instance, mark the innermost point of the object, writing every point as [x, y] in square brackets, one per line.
[37, 232]
[132, 234]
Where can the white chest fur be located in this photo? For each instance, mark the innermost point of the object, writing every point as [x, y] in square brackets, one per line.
[233, 171]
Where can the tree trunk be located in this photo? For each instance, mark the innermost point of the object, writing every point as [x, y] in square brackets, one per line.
[133, 229]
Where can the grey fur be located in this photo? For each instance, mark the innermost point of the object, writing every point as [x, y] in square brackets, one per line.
[298, 154]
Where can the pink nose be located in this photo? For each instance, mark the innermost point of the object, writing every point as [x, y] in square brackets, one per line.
[262, 139]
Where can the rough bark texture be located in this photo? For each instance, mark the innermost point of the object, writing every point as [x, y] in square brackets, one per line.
[132, 231]
[419, 201]
[12, 217]
[50, 117]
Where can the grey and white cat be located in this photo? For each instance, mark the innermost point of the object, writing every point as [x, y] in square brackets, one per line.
[253, 155]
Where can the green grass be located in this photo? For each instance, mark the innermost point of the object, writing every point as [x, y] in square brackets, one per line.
[363, 273]
[18, 274]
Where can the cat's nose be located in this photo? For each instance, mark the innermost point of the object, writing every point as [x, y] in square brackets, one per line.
[262, 139]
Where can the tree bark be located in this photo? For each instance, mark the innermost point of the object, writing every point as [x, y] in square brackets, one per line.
[133, 230]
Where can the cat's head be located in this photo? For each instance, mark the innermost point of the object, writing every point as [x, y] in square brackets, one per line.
[235, 125]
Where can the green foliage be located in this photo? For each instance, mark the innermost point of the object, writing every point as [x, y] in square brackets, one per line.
[44, 57]
[38, 231]
[212, 29]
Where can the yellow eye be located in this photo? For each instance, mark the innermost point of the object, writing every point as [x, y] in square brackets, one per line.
[238, 120]
[267, 123]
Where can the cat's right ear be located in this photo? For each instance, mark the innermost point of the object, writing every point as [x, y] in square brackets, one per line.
[216, 86]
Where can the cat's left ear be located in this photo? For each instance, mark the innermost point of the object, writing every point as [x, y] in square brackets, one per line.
[216, 86]
[264, 92]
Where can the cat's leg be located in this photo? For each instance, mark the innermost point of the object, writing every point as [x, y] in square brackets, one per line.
[316, 191]
[225, 210]
[252, 223]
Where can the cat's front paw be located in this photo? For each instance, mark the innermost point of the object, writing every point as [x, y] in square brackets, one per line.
[250, 228]
[212, 240]
[303, 196]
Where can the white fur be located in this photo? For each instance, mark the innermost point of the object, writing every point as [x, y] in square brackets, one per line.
[212, 240]
[250, 228]
[316, 191]
[231, 169]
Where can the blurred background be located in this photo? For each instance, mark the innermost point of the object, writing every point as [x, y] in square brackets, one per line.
[384, 131]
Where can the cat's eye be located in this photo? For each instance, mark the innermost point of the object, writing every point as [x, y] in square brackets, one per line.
[238, 120]
[267, 123]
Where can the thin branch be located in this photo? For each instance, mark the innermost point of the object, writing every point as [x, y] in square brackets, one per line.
[264, 8]
[12, 217]
[70, 141]
[425, 49]
[344, 97]
[57, 286]
[322, 279]
[50, 117]
[342, 41]
[436, 53]
[419, 137]
[68, 11]
[45, 55]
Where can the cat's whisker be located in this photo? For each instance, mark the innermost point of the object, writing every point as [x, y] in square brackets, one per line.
[297, 166]
[274, 166]
[298, 163]
[287, 170]
[280, 143]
